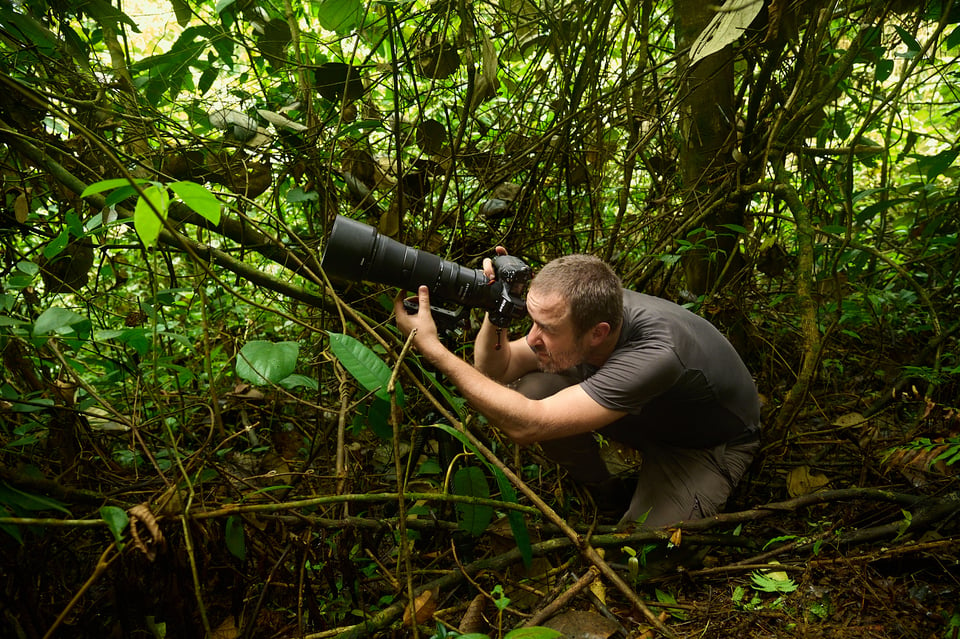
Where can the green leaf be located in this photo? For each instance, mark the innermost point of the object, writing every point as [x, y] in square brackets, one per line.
[473, 518]
[198, 198]
[27, 29]
[223, 4]
[296, 380]
[736, 228]
[117, 521]
[913, 45]
[56, 320]
[953, 39]
[365, 365]
[378, 418]
[28, 502]
[341, 16]
[884, 69]
[235, 538]
[779, 540]
[263, 362]
[455, 402]
[108, 185]
[933, 166]
[182, 10]
[772, 582]
[150, 212]
[533, 632]
[507, 493]
[667, 598]
[55, 246]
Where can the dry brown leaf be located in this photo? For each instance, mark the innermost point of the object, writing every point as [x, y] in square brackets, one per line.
[800, 481]
[582, 624]
[151, 544]
[226, 630]
[676, 537]
[849, 420]
[423, 607]
[21, 208]
[473, 620]
[920, 465]
[649, 634]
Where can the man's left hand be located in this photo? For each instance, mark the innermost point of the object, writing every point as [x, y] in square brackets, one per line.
[421, 321]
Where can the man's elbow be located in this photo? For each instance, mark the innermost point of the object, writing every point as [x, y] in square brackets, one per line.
[523, 439]
[525, 435]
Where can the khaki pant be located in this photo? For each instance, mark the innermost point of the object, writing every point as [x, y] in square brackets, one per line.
[673, 483]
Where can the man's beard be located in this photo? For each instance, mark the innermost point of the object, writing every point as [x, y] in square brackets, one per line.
[550, 362]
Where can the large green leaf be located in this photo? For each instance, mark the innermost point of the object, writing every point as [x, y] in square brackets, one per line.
[507, 493]
[236, 538]
[23, 501]
[365, 365]
[108, 185]
[263, 362]
[198, 198]
[116, 519]
[534, 632]
[56, 320]
[473, 518]
[149, 213]
[341, 16]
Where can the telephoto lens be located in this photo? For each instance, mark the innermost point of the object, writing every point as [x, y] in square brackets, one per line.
[358, 252]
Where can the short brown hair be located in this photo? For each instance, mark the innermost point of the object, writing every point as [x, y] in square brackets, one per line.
[589, 285]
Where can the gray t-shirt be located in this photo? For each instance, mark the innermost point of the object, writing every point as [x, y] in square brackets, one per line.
[677, 373]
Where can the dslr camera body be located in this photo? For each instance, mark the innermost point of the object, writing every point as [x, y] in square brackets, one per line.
[357, 252]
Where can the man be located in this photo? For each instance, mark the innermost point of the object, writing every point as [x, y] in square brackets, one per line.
[603, 366]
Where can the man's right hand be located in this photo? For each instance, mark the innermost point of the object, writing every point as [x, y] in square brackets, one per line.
[488, 264]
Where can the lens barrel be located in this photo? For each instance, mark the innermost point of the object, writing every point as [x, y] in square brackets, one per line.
[358, 252]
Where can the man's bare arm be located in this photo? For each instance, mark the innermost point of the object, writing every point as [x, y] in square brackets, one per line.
[507, 363]
[524, 420]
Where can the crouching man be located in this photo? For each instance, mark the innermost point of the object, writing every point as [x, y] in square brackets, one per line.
[602, 368]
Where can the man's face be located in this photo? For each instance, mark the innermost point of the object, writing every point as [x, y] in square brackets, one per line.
[552, 337]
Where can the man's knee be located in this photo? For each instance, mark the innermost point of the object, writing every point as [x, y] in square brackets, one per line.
[540, 385]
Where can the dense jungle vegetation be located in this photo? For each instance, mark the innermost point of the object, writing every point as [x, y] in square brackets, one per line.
[201, 437]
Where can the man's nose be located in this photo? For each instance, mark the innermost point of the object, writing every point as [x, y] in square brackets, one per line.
[534, 337]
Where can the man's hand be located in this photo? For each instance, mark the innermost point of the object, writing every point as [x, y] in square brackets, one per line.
[488, 264]
[421, 321]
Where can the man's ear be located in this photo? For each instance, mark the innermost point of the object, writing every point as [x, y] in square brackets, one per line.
[599, 333]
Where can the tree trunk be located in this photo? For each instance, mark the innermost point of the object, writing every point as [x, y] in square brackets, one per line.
[708, 138]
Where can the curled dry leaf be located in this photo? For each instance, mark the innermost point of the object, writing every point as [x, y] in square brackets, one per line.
[800, 481]
[141, 515]
[676, 537]
[226, 630]
[473, 620]
[422, 609]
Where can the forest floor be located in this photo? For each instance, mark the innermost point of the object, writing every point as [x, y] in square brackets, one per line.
[844, 527]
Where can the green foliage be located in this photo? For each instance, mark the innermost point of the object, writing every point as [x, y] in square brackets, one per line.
[17, 503]
[235, 537]
[117, 521]
[473, 518]
[507, 492]
[130, 306]
[263, 362]
[772, 582]
[532, 632]
[365, 365]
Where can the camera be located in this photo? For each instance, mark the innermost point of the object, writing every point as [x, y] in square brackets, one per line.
[358, 252]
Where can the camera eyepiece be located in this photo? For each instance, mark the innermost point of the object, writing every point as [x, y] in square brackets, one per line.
[358, 252]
